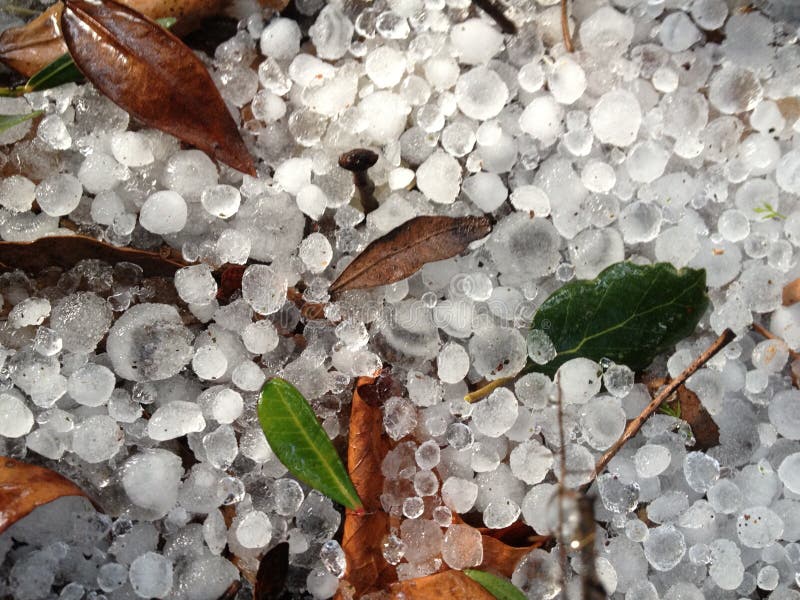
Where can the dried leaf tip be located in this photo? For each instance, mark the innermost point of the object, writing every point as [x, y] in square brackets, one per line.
[154, 76]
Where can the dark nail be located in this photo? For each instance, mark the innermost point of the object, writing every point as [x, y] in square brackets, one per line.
[358, 161]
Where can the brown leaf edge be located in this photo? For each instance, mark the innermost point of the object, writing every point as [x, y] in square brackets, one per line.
[704, 428]
[791, 293]
[163, 83]
[24, 487]
[409, 247]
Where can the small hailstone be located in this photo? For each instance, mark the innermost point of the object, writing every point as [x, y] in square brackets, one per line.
[665, 80]
[664, 547]
[646, 161]
[91, 384]
[321, 584]
[709, 14]
[280, 39]
[540, 347]
[111, 576]
[59, 195]
[227, 406]
[16, 419]
[331, 33]
[768, 578]
[427, 455]
[293, 174]
[452, 363]
[413, 507]
[385, 66]
[500, 513]
[758, 527]
[333, 558]
[311, 200]
[531, 198]
[163, 212]
[441, 72]
[175, 419]
[233, 246]
[602, 422]
[47, 342]
[221, 200]
[53, 132]
[459, 436]
[458, 138]
[579, 379]
[607, 32]
[96, 438]
[770, 356]
[151, 575]
[459, 494]
[733, 225]
[566, 81]
[475, 41]
[99, 172]
[651, 460]
[151, 479]
[260, 337]
[106, 206]
[616, 117]
[734, 90]
[462, 547]
[189, 172]
[531, 461]
[618, 380]
[399, 417]
[531, 77]
[725, 568]
[264, 289]
[481, 93]
[316, 252]
[598, 176]
[209, 362]
[195, 284]
[248, 376]
[486, 190]
[268, 107]
[30, 311]
[17, 193]
[495, 415]
[701, 471]
[439, 177]
[542, 118]
[789, 472]
[678, 33]
[400, 178]
[132, 149]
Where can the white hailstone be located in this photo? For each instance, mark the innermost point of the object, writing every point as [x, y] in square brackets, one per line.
[439, 177]
[531, 461]
[789, 472]
[268, 107]
[664, 547]
[53, 132]
[385, 66]
[531, 198]
[400, 178]
[475, 41]
[311, 200]
[459, 494]
[481, 93]
[106, 206]
[280, 39]
[758, 527]
[59, 195]
[293, 174]
[678, 33]
[305, 69]
[462, 547]
[100, 172]
[91, 384]
[151, 478]
[646, 161]
[331, 33]
[651, 460]
[542, 118]
[602, 422]
[209, 362]
[709, 14]
[221, 200]
[17, 193]
[734, 90]
[616, 118]
[385, 115]
[495, 415]
[97, 438]
[566, 81]
[30, 311]
[151, 575]
[195, 284]
[441, 72]
[260, 337]
[227, 406]
[579, 380]
[175, 419]
[264, 289]
[486, 190]
[233, 246]
[163, 212]
[189, 172]
[132, 149]
[248, 376]
[452, 363]
[316, 252]
[16, 419]
[254, 530]
[607, 33]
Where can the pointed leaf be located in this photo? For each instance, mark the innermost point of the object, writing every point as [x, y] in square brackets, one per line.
[298, 440]
[629, 314]
[409, 247]
[500, 588]
[9, 121]
[154, 76]
[61, 70]
[272, 573]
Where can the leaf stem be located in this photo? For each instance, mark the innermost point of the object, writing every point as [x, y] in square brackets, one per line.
[565, 27]
[636, 424]
[487, 389]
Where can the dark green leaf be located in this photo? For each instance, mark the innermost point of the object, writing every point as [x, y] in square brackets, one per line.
[62, 70]
[500, 588]
[9, 121]
[629, 314]
[298, 440]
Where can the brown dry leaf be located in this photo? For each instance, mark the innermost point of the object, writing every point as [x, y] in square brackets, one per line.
[791, 292]
[502, 558]
[704, 428]
[154, 76]
[407, 248]
[447, 585]
[272, 572]
[67, 251]
[36, 44]
[367, 571]
[24, 487]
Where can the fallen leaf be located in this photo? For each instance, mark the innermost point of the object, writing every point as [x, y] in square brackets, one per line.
[367, 571]
[163, 83]
[630, 313]
[301, 444]
[500, 588]
[31, 47]
[447, 585]
[272, 572]
[408, 247]
[704, 428]
[24, 487]
[791, 292]
[67, 251]
[502, 558]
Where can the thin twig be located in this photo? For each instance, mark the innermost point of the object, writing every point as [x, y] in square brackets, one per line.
[760, 329]
[487, 389]
[565, 27]
[562, 486]
[636, 424]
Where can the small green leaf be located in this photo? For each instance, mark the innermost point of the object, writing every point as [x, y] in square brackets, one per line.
[8, 121]
[62, 70]
[629, 314]
[298, 440]
[500, 588]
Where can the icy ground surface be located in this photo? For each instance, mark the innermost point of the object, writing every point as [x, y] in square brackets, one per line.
[670, 135]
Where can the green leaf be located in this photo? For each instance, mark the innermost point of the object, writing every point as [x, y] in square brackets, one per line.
[62, 70]
[500, 588]
[298, 440]
[629, 314]
[8, 121]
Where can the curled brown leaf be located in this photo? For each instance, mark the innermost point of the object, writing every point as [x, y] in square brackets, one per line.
[24, 487]
[449, 585]
[409, 247]
[150, 73]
